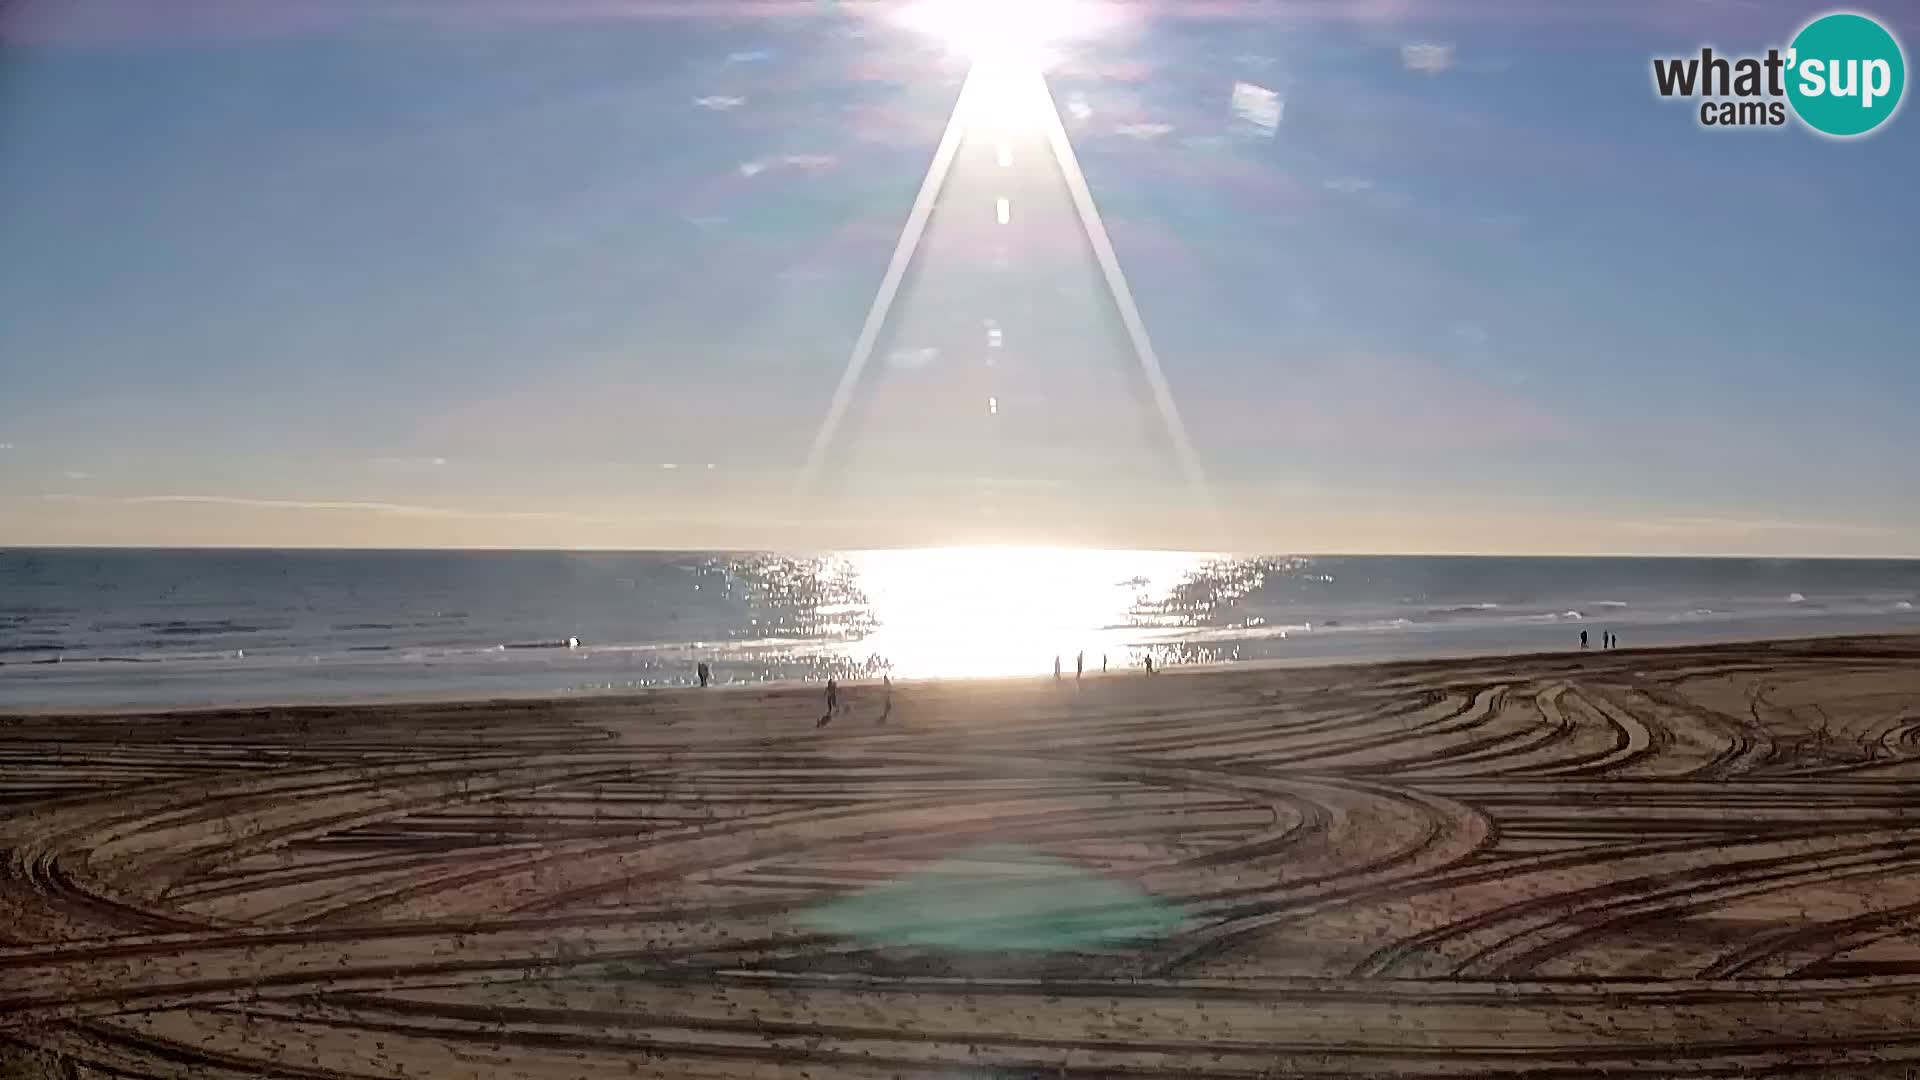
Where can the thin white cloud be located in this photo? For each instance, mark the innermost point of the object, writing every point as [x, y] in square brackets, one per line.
[1470, 333]
[912, 359]
[720, 102]
[1143, 131]
[749, 56]
[1427, 57]
[6, 446]
[75, 474]
[809, 162]
[1349, 185]
[362, 507]
[1689, 525]
[411, 462]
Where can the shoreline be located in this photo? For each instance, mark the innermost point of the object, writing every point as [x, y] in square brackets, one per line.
[783, 688]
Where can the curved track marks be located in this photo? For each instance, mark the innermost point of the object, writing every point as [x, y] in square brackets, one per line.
[1695, 863]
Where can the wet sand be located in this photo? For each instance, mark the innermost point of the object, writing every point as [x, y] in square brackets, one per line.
[1653, 863]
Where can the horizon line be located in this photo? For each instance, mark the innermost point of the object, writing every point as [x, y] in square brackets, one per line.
[1277, 553]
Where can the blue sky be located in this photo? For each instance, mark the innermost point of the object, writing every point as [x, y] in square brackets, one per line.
[378, 274]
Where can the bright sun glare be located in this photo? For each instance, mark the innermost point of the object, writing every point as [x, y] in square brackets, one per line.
[1007, 44]
[1008, 34]
[969, 612]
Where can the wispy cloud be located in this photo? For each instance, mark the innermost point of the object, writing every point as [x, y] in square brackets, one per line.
[1143, 131]
[804, 162]
[410, 462]
[1427, 57]
[75, 474]
[1468, 333]
[1348, 185]
[720, 102]
[913, 359]
[1691, 525]
[355, 506]
[1404, 404]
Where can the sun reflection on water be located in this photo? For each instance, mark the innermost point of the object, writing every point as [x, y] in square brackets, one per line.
[978, 612]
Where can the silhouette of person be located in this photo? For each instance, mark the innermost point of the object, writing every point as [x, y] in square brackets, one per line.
[1583, 639]
[1103, 663]
[886, 706]
[1149, 663]
[1079, 666]
[833, 703]
[1056, 669]
[705, 673]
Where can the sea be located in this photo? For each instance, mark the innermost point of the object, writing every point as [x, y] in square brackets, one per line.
[94, 630]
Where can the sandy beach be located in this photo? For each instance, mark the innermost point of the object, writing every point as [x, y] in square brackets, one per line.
[1656, 863]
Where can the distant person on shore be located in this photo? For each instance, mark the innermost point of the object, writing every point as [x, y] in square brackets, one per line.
[1056, 669]
[1103, 663]
[833, 703]
[1079, 667]
[1149, 665]
[886, 704]
[705, 673]
[1583, 639]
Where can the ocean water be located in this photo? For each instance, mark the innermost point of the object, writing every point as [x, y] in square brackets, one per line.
[137, 629]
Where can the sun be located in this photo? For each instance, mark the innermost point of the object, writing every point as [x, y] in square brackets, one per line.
[1009, 35]
[1008, 45]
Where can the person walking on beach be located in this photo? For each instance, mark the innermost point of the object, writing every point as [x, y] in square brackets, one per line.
[886, 705]
[1103, 663]
[1056, 669]
[1149, 665]
[1079, 667]
[1583, 639]
[833, 703]
[705, 673]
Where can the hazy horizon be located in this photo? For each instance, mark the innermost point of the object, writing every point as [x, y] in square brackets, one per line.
[1302, 553]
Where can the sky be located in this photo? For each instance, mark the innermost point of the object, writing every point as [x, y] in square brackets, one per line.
[1419, 277]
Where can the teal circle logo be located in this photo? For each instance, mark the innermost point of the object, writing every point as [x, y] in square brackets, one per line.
[1845, 73]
